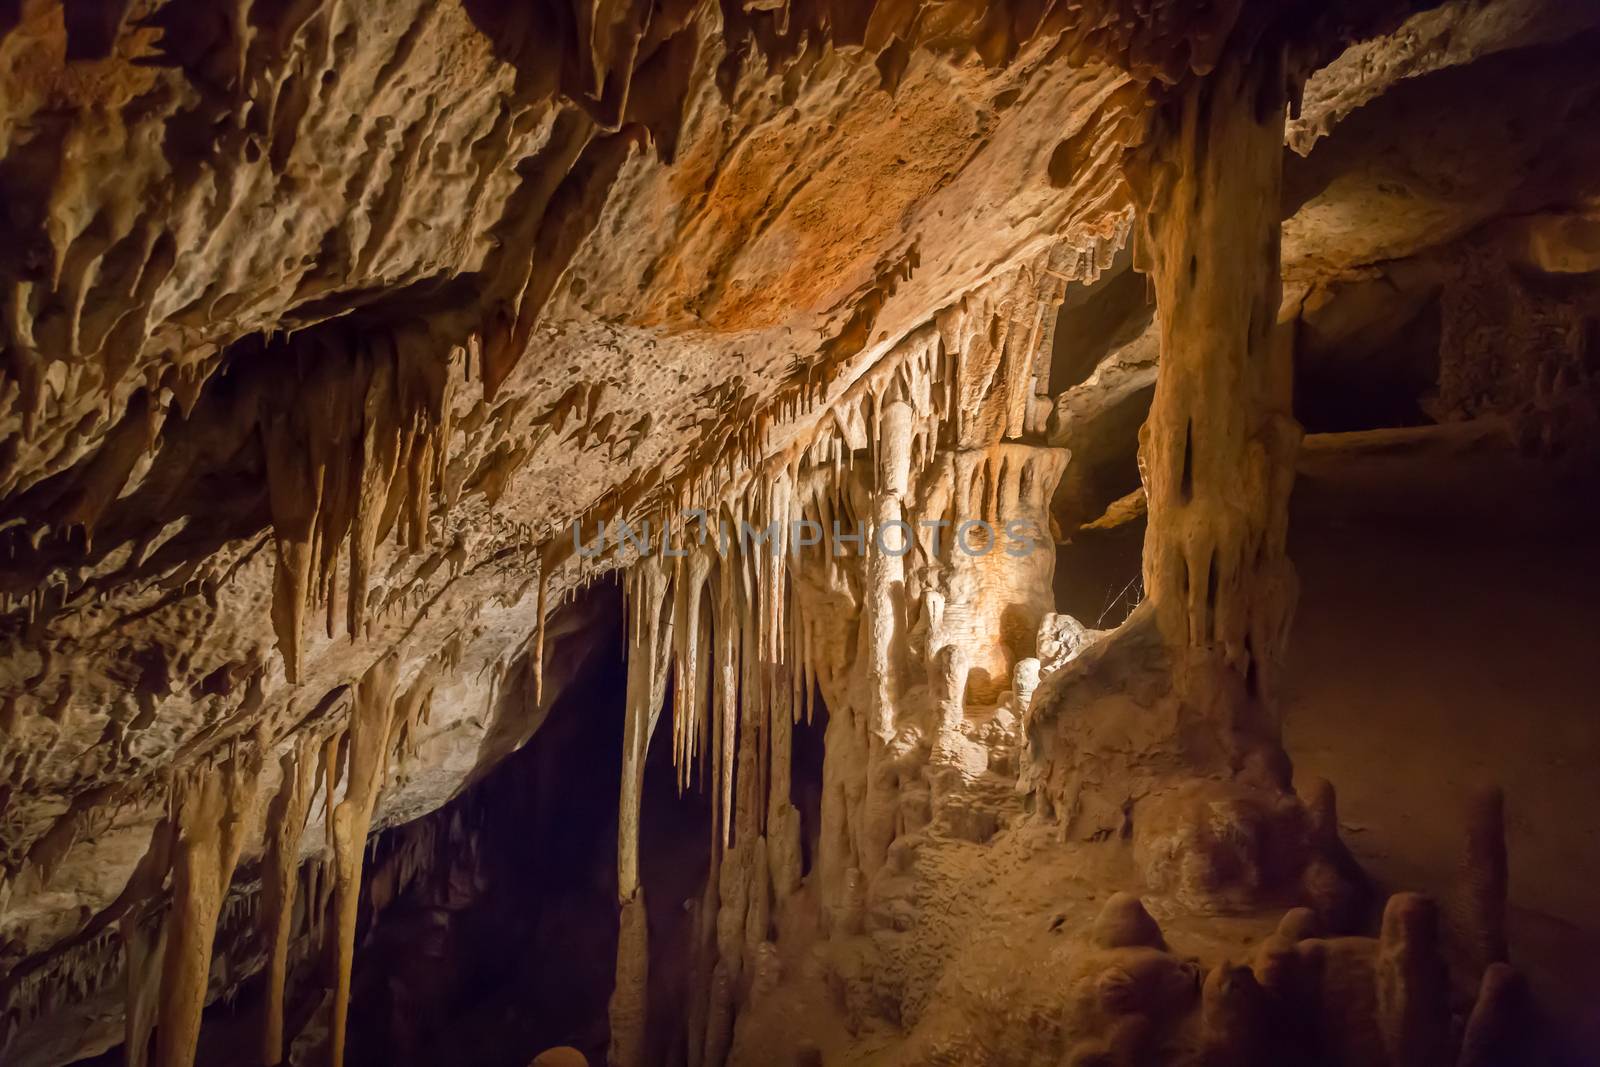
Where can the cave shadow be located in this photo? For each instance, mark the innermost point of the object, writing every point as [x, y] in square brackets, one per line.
[511, 950]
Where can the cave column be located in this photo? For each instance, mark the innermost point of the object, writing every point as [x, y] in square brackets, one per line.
[649, 657]
[1217, 453]
[889, 537]
[886, 569]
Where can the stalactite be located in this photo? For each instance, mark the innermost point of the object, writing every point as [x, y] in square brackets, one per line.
[144, 951]
[144, 943]
[88, 968]
[773, 668]
[649, 645]
[726, 635]
[210, 807]
[412, 709]
[372, 717]
[539, 631]
[295, 492]
[379, 461]
[759, 660]
[704, 654]
[740, 883]
[689, 643]
[318, 894]
[357, 451]
[286, 819]
[750, 777]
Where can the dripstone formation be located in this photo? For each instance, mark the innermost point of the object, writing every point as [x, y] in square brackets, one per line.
[715, 532]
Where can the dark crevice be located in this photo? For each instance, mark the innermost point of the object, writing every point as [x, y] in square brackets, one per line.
[1186, 481]
[1096, 320]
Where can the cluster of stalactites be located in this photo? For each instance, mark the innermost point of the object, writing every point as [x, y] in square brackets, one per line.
[70, 977]
[966, 382]
[213, 809]
[718, 608]
[715, 608]
[993, 344]
[355, 454]
[723, 624]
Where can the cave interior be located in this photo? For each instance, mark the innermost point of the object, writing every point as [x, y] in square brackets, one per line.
[833, 533]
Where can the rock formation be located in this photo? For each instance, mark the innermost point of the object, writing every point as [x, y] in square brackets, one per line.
[353, 357]
[211, 810]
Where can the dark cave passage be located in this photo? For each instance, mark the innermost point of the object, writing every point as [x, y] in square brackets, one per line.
[506, 942]
[516, 932]
[675, 832]
[521, 915]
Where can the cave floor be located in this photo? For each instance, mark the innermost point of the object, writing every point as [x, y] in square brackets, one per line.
[1421, 669]
[969, 947]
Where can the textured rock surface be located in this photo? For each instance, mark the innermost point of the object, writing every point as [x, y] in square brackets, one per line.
[323, 321]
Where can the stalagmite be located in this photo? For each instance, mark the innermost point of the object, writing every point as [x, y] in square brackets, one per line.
[1476, 906]
[719, 1017]
[702, 966]
[371, 730]
[948, 673]
[1333, 883]
[758, 913]
[1496, 1029]
[628, 1008]
[1412, 988]
[1124, 923]
[1234, 1013]
[286, 818]
[211, 807]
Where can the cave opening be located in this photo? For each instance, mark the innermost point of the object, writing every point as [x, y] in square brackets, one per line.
[810, 754]
[520, 915]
